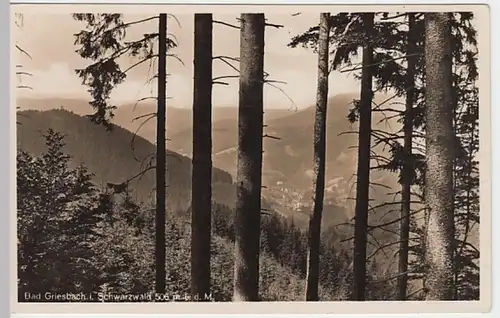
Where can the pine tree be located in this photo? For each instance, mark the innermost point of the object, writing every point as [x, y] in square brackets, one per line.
[363, 171]
[201, 195]
[350, 32]
[161, 157]
[314, 233]
[56, 220]
[440, 143]
[407, 173]
[466, 172]
[249, 177]
[103, 42]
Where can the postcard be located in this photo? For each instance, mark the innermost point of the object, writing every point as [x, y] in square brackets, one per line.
[251, 158]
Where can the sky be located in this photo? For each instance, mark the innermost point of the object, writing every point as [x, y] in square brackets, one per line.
[49, 39]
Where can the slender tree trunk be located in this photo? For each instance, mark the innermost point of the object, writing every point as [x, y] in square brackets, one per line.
[161, 157]
[249, 177]
[439, 147]
[201, 194]
[407, 174]
[363, 172]
[314, 234]
[456, 182]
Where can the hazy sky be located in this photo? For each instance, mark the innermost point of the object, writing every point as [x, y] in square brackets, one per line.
[49, 39]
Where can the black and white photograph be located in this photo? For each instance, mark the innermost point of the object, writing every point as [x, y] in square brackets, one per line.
[240, 154]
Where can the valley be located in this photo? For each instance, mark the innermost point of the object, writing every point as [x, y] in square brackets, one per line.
[287, 161]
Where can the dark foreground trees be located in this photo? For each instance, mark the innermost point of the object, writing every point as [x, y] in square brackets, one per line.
[103, 42]
[201, 194]
[451, 145]
[249, 174]
[364, 155]
[161, 156]
[399, 39]
[407, 173]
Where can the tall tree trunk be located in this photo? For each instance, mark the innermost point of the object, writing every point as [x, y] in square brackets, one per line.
[407, 173]
[201, 194]
[456, 177]
[456, 183]
[249, 177]
[439, 151]
[161, 156]
[314, 234]
[363, 171]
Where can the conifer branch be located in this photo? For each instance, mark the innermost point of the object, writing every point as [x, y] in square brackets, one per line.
[226, 24]
[381, 62]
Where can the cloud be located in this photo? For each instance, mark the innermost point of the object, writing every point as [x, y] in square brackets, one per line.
[54, 63]
[56, 80]
[60, 80]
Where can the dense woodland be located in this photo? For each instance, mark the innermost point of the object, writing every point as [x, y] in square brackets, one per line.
[103, 210]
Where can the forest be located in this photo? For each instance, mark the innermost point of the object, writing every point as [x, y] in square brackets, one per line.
[106, 213]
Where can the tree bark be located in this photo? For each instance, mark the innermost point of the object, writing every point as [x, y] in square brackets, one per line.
[201, 194]
[314, 233]
[161, 157]
[249, 177]
[407, 173]
[363, 171]
[439, 152]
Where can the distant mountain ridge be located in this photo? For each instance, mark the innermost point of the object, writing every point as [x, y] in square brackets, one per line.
[112, 156]
[287, 166]
[126, 114]
[288, 162]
